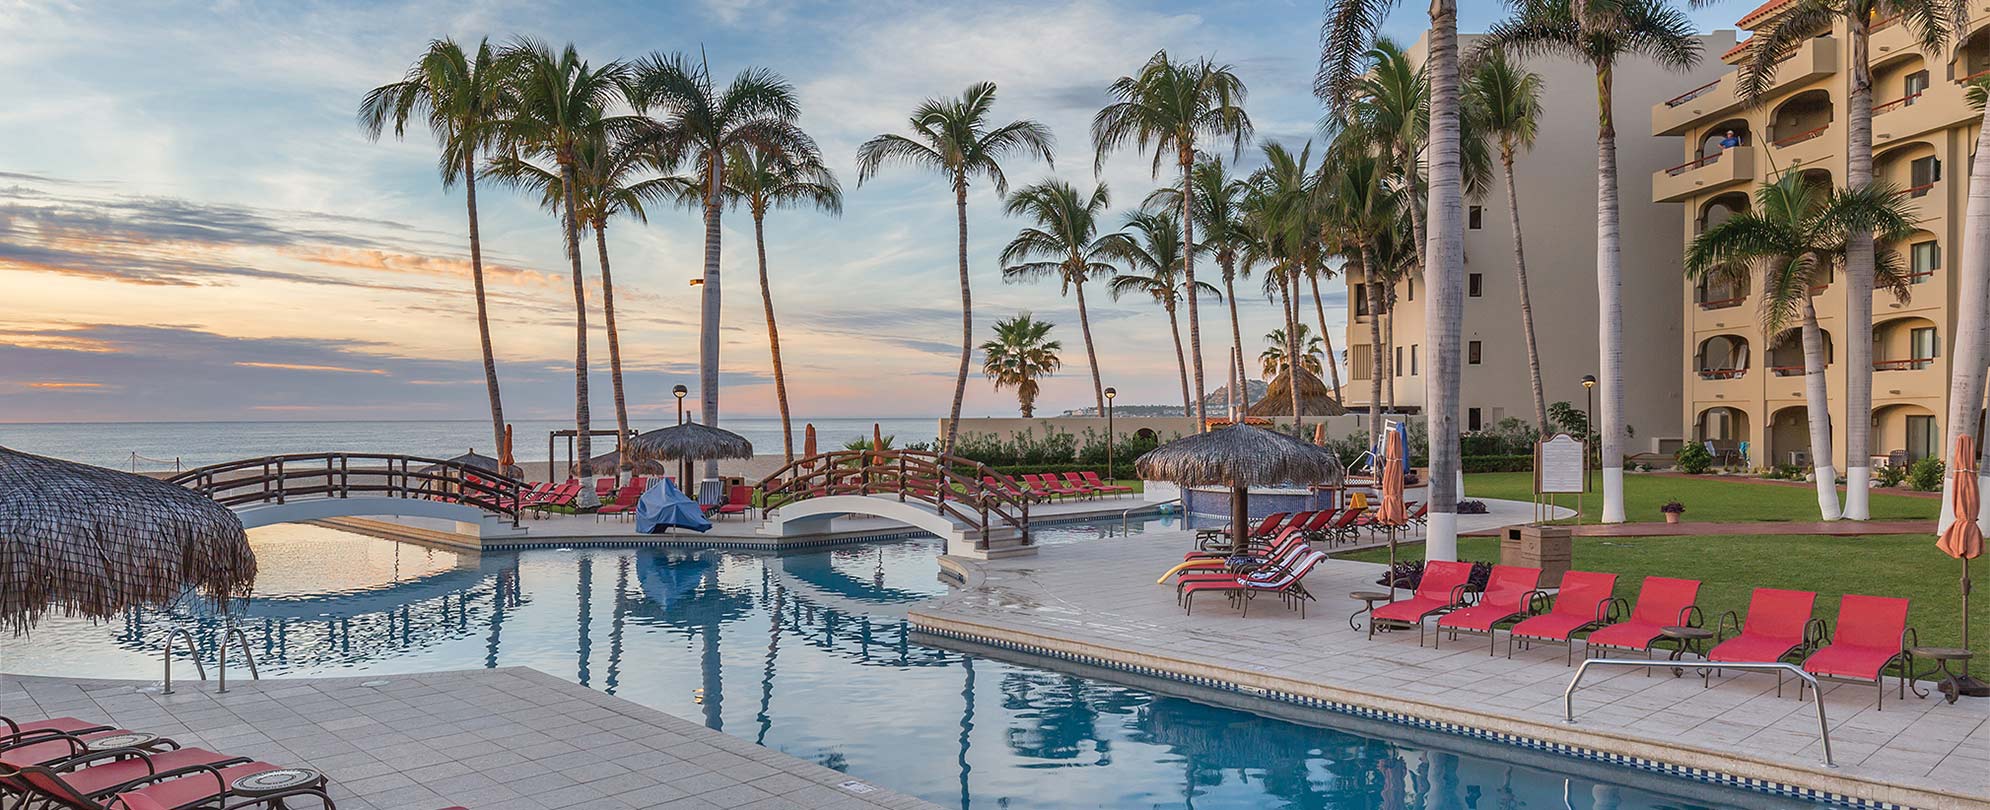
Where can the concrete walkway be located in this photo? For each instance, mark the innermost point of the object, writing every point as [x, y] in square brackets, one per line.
[499, 739]
[1098, 601]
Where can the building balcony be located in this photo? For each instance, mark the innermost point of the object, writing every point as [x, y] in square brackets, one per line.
[1723, 303]
[1705, 174]
[1723, 373]
[1817, 57]
[1940, 106]
[1787, 371]
[1909, 364]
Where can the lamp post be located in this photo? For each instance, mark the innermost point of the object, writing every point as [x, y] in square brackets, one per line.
[683, 467]
[1589, 423]
[1110, 476]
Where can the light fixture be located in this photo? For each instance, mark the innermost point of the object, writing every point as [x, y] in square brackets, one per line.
[697, 282]
[1111, 392]
[1589, 381]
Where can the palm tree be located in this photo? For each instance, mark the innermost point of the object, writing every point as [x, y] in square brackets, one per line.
[1349, 29]
[1064, 243]
[1021, 354]
[562, 105]
[610, 185]
[1506, 99]
[1168, 106]
[1390, 111]
[1272, 359]
[1967, 359]
[1361, 214]
[761, 181]
[1604, 32]
[952, 136]
[699, 124]
[1158, 256]
[1219, 218]
[1932, 22]
[1792, 237]
[461, 97]
[1280, 210]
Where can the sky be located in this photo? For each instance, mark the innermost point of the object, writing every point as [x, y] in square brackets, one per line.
[193, 227]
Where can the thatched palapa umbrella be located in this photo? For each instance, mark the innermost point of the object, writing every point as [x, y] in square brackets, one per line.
[1314, 398]
[1240, 457]
[89, 541]
[612, 460]
[481, 462]
[688, 442]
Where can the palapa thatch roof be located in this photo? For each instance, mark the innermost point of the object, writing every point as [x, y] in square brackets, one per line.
[89, 541]
[1240, 455]
[481, 462]
[1314, 398]
[605, 464]
[689, 441]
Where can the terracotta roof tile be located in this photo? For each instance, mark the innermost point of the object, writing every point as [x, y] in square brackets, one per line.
[1761, 12]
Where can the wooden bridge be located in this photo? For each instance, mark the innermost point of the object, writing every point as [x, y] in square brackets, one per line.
[314, 486]
[943, 494]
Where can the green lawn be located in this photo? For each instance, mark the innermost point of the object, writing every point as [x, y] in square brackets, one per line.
[1707, 498]
[1729, 567]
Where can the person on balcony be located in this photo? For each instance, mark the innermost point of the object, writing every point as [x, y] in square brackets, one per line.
[1730, 141]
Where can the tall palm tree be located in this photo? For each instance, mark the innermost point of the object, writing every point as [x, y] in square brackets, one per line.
[1792, 237]
[563, 104]
[1967, 366]
[1064, 243]
[953, 137]
[697, 124]
[611, 183]
[1506, 99]
[761, 181]
[1158, 256]
[1021, 353]
[1169, 106]
[1604, 32]
[1281, 209]
[1219, 219]
[460, 97]
[1390, 110]
[1349, 28]
[1272, 360]
[1361, 214]
[1933, 23]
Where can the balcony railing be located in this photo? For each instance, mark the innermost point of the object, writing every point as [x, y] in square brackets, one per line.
[1973, 76]
[1910, 364]
[1694, 164]
[1882, 24]
[1799, 137]
[1920, 190]
[1722, 373]
[1918, 277]
[1898, 103]
[1691, 94]
[1723, 303]
[1786, 371]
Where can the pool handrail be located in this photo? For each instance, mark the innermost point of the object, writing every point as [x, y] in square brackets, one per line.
[193, 652]
[235, 634]
[1126, 514]
[1823, 727]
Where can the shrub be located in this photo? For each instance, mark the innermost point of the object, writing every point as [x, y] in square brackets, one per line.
[1891, 475]
[1409, 573]
[1926, 474]
[1472, 507]
[1484, 464]
[1673, 508]
[1693, 458]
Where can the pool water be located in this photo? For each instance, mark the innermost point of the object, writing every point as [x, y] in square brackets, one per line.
[810, 654]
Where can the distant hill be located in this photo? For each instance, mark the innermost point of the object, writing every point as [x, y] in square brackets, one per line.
[1254, 390]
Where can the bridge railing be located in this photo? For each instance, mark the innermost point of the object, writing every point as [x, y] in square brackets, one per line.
[953, 486]
[278, 479]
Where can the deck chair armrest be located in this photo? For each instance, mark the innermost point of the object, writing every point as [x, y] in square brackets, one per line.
[80, 760]
[1909, 639]
[1690, 616]
[220, 781]
[1721, 625]
[1461, 595]
[1538, 602]
[76, 744]
[1815, 634]
[1609, 609]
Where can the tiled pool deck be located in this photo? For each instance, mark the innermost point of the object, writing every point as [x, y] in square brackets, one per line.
[1097, 602]
[499, 739]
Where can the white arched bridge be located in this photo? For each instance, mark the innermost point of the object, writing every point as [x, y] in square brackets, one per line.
[314, 486]
[946, 495]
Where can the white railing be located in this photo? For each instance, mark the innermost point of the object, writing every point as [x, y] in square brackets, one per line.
[1823, 727]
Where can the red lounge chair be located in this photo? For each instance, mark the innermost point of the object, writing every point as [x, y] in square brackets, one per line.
[53, 725]
[1101, 484]
[48, 748]
[625, 501]
[1441, 589]
[562, 496]
[1342, 529]
[1038, 489]
[1779, 623]
[1315, 527]
[1054, 484]
[1281, 580]
[1510, 594]
[1662, 602]
[738, 501]
[1584, 602]
[98, 774]
[1872, 635]
[1078, 482]
[185, 787]
[1008, 487]
[1270, 525]
[1220, 570]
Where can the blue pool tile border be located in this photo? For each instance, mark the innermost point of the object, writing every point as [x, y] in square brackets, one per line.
[1563, 749]
[689, 541]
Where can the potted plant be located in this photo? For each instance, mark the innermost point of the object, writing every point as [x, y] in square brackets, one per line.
[1672, 510]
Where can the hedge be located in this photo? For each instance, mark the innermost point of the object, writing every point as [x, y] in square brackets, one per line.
[1482, 464]
[1124, 468]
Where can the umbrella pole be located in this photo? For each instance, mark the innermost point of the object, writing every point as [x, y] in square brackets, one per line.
[1391, 577]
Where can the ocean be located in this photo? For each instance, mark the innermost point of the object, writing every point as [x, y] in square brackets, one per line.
[157, 446]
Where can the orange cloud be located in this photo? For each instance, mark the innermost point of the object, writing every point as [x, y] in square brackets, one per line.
[64, 386]
[432, 266]
[308, 367]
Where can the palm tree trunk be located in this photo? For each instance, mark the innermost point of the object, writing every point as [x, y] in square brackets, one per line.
[1818, 404]
[582, 445]
[1238, 389]
[614, 350]
[1187, 159]
[1967, 360]
[1331, 361]
[1390, 371]
[1290, 290]
[1609, 301]
[966, 320]
[483, 311]
[1091, 357]
[1859, 271]
[1375, 360]
[1181, 361]
[709, 311]
[773, 338]
[1526, 301]
[1444, 282]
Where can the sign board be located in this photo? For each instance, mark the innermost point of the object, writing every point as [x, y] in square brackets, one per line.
[1561, 465]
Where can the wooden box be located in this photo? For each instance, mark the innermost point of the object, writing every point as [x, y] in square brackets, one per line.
[1549, 548]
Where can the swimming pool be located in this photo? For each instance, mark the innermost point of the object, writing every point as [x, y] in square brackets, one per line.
[810, 654]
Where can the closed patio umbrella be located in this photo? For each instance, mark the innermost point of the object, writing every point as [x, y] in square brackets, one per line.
[1963, 540]
[92, 542]
[808, 440]
[1240, 457]
[1392, 512]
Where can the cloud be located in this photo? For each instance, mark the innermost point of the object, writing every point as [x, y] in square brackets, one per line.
[63, 386]
[309, 367]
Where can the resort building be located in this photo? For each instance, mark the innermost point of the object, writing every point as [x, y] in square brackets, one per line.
[1557, 192]
[1743, 386]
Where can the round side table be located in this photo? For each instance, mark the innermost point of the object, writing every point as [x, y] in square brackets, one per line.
[1684, 638]
[1951, 682]
[1368, 600]
[129, 739]
[276, 783]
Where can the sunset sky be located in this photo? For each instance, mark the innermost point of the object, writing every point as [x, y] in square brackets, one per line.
[193, 227]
